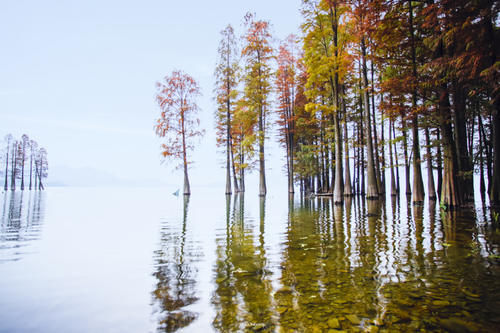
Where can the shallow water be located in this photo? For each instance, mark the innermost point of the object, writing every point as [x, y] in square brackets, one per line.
[143, 260]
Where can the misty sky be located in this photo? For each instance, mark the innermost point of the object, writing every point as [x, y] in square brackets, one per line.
[78, 76]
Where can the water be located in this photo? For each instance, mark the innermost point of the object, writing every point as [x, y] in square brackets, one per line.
[143, 260]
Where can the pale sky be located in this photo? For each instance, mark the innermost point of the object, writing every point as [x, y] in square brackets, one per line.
[79, 77]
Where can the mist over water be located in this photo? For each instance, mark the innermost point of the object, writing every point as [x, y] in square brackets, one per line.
[144, 260]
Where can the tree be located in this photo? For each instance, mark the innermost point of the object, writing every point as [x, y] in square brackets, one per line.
[361, 14]
[226, 75]
[326, 46]
[8, 139]
[33, 145]
[418, 184]
[257, 52]
[14, 165]
[286, 86]
[42, 167]
[23, 155]
[178, 125]
[244, 137]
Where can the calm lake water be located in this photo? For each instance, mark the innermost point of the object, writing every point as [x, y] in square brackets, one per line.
[143, 260]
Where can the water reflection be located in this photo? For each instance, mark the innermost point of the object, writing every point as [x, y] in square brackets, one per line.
[21, 221]
[243, 285]
[176, 275]
[362, 265]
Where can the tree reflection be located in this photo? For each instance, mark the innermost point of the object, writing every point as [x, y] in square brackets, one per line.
[355, 266]
[20, 221]
[242, 297]
[176, 276]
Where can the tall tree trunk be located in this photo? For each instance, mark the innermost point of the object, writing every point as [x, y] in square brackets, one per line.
[463, 158]
[338, 185]
[5, 186]
[362, 142]
[187, 188]
[290, 172]
[242, 170]
[418, 184]
[13, 171]
[262, 163]
[242, 180]
[375, 136]
[35, 183]
[431, 190]
[22, 172]
[495, 181]
[482, 185]
[396, 158]
[489, 21]
[228, 143]
[372, 188]
[450, 193]
[290, 139]
[347, 167]
[393, 181]
[31, 168]
[40, 184]
[233, 167]
[405, 151]
[439, 164]
[338, 194]
[382, 151]
[324, 165]
[357, 159]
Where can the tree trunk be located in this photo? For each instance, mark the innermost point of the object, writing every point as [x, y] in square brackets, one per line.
[431, 190]
[35, 183]
[347, 167]
[290, 172]
[228, 146]
[261, 136]
[290, 139]
[5, 186]
[362, 144]
[382, 147]
[22, 170]
[233, 166]
[482, 185]
[187, 188]
[40, 184]
[31, 168]
[439, 165]
[418, 184]
[242, 170]
[375, 136]
[372, 188]
[463, 158]
[356, 162]
[396, 158]
[495, 181]
[338, 192]
[13, 168]
[262, 165]
[450, 193]
[405, 151]
[393, 181]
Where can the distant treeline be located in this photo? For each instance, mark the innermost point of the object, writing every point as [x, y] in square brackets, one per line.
[25, 163]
